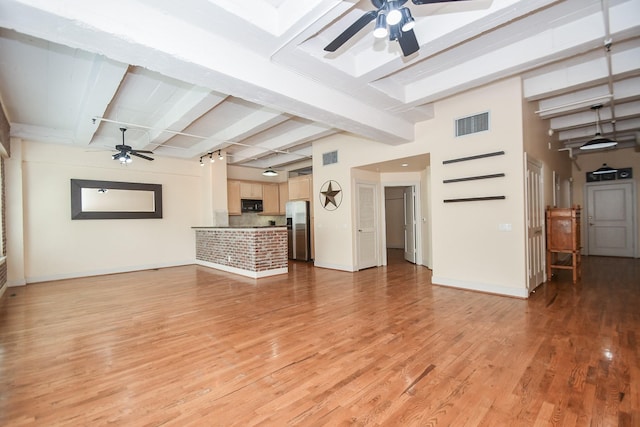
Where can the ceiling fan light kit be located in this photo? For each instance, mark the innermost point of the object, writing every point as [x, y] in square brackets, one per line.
[381, 31]
[393, 19]
[125, 152]
[407, 19]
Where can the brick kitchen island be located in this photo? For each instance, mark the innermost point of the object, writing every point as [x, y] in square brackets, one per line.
[249, 251]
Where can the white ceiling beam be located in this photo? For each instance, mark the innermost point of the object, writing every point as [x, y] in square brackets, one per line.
[98, 92]
[41, 133]
[587, 132]
[193, 104]
[137, 34]
[579, 75]
[547, 45]
[588, 117]
[281, 142]
[279, 160]
[250, 124]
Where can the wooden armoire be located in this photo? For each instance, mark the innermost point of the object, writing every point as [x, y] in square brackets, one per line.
[563, 240]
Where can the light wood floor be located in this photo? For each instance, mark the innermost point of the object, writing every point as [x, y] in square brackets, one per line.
[192, 346]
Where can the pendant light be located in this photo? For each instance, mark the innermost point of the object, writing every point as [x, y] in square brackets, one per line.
[605, 169]
[270, 172]
[598, 141]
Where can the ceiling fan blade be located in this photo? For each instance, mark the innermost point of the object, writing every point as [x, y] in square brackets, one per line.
[142, 151]
[408, 42]
[419, 2]
[351, 31]
[142, 156]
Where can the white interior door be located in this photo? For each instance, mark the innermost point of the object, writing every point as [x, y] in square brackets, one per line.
[610, 219]
[366, 226]
[410, 246]
[535, 224]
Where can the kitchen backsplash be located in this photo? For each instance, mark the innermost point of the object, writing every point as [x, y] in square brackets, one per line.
[254, 219]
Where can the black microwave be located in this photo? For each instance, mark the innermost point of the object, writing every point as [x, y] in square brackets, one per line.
[251, 205]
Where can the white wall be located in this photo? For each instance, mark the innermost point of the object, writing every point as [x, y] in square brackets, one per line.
[467, 248]
[54, 246]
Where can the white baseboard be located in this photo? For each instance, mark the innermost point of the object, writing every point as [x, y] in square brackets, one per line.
[349, 268]
[129, 269]
[14, 282]
[481, 287]
[241, 272]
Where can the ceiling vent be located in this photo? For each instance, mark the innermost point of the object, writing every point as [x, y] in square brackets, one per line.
[330, 158]
[472, 124]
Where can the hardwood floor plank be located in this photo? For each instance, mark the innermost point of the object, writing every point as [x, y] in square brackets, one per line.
[194, 346]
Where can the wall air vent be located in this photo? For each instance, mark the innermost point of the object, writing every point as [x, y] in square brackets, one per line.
[472, 124]
[329, 158]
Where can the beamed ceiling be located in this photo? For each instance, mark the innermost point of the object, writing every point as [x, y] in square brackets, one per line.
[251, 78]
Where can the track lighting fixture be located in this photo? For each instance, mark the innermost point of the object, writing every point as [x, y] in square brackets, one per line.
[270, 172]
[210, 156]
[598, 141]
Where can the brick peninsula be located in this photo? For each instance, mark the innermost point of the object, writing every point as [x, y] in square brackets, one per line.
[249, 251]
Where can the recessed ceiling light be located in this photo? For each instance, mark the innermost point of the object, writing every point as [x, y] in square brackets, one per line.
[404, 165]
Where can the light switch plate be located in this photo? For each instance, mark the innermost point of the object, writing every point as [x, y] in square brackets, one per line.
[504, 227]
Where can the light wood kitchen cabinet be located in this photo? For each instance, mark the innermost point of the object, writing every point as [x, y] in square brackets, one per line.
[300, 187]
[233, 198]
[283, 195]
[270, 199]
[251, 190]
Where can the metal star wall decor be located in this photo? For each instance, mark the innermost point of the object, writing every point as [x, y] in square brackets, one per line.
[331, 195]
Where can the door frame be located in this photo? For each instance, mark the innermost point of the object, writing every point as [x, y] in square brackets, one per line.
[419, 219]
[376, 227]
[584, 217]
[541, 213]
[413, 227]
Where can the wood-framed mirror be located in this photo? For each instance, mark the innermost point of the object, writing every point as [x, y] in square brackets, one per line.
[92, 199]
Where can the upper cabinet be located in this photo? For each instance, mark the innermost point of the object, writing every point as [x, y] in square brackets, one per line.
[270, 199]
[283, 195]
[300, 187]
[250, 190]
[274, 196]
[233, 197]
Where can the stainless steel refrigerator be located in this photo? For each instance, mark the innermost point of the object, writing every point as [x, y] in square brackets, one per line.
[299, 230]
